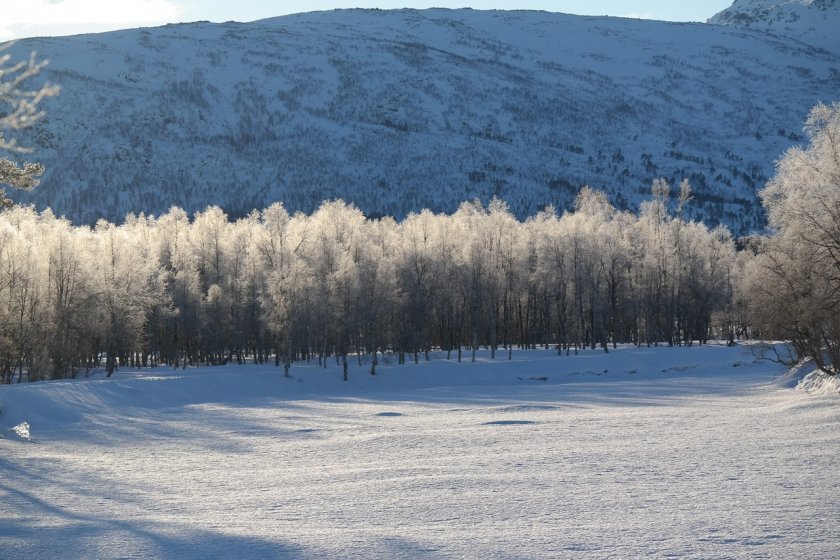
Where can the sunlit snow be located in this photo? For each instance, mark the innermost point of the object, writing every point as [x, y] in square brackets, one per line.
[658, 452]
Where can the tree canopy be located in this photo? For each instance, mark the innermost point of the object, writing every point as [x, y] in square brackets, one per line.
[795, 281]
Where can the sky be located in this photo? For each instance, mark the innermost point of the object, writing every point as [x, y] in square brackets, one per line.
[31, 18]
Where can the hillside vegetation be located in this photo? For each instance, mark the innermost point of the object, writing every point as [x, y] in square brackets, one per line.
[396, 111]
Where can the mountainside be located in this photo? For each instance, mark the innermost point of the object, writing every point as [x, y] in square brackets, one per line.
[816, 22]
[398, 110]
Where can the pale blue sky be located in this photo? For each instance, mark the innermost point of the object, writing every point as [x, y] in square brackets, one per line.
[65, 17]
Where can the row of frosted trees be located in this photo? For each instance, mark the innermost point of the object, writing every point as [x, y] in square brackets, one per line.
[180, 291]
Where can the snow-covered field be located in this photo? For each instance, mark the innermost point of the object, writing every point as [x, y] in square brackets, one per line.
[667, 453]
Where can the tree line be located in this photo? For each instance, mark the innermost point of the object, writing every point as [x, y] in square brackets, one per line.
[175, 290]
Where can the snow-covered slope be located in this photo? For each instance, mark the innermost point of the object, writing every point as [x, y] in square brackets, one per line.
[397, 110]
[816, 22]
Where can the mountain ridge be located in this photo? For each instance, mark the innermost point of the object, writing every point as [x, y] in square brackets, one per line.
[404, 109]
[815, 22]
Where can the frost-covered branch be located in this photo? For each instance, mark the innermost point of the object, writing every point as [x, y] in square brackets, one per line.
[20, 107]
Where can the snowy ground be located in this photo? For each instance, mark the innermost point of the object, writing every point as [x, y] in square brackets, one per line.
[610, 456]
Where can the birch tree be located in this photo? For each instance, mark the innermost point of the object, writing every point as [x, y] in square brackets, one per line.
[800, 296]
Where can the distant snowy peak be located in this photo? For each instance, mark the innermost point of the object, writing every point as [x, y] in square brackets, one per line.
[816, 22]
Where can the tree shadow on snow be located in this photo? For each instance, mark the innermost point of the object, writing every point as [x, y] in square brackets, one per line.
[565, 391]
[32, 527]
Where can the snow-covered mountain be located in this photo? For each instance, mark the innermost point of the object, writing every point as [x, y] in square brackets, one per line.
[398, 110]
[816, 22]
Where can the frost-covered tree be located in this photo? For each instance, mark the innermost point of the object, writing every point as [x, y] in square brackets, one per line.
[69, 299]
[796, 283]
[249, 280]
[180, 329]
[330, 252]
[375, 300]
[508, 264]
[283, 299]
[541, 278]
[706, 276]
[125, 287]
[586, 232]
[416, 276]
[20, 107]
[208, 234]
[655, 251]
[475, 274]
[22, 290]
[176, 291]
